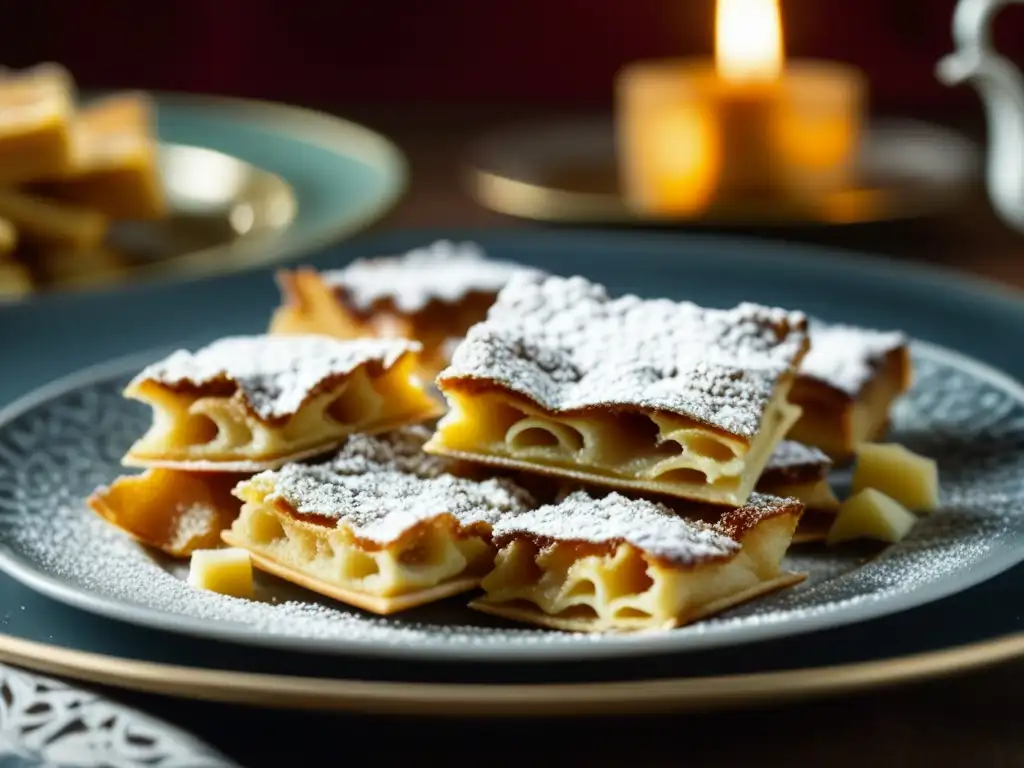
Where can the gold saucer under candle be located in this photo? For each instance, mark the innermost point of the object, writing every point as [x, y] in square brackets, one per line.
[567, 171]
[687, 139]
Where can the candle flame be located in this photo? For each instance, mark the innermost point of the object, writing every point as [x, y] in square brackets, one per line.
[748, 40]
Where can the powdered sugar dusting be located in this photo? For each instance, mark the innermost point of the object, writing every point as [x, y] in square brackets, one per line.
[442, 271]
[378, 488]
[650, 527]
[400, 450]
[846, 357]
[789, 454]
[193, 522]
[275, 374]
[563, 343]
[736, 523]
[57, 451]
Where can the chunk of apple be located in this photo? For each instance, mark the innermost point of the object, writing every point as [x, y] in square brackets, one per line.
[870, 514]
[225, 571]
[899, 473]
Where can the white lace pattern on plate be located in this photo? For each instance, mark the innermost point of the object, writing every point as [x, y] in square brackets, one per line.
[45, 723]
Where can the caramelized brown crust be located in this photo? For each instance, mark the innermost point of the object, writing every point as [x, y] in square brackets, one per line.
[794, 464]
[797, 474]
[737, 523]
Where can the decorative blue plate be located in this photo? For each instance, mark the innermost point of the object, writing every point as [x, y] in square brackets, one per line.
[970, 416]
[69, 438]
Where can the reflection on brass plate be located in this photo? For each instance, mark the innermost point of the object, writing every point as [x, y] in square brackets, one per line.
[566, 171]
[220, 209]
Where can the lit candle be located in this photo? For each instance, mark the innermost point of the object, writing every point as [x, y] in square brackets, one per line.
[693, 133]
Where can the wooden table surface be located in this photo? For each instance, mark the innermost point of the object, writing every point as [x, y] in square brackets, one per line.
[970, 720]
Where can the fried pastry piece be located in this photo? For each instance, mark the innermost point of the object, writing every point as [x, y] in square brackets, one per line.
[176, 512]
[249, 403]
[801, 472]
[8, 238]
[592, 564]
[48, 223]
[793, 471]
[79, 267]
[114, 161]
[381, 526]
[847, 384]
[36, 107]
[655, 396]
[432, 294]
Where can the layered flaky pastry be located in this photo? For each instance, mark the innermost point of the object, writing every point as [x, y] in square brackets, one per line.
[381, 526]
[36, 108]
[592, 564]
[177, 512]
[432, 294]
[793, 471]
[254, 402]
[846, 387]
[114, 166]
[801, 472]
[650, 395]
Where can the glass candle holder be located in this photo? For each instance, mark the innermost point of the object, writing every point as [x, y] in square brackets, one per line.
[688, 139]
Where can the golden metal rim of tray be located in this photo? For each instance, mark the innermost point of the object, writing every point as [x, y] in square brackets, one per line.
[500, 700]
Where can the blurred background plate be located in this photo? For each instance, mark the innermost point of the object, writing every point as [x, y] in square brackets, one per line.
[565, 171]
[247, 183]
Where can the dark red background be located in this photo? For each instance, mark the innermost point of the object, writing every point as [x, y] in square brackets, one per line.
[558, 52]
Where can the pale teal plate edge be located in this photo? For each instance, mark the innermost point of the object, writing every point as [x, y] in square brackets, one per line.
[345, 176]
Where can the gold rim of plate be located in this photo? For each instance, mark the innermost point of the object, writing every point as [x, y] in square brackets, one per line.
[586, 191]
[505, 700]
[268, 242]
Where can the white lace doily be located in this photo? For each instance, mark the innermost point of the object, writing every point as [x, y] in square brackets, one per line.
[46, 723]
